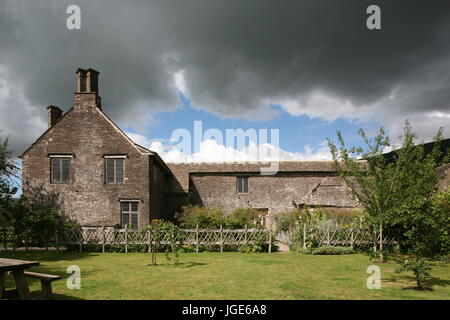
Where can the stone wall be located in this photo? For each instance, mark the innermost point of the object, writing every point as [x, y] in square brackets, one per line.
[87, 134]
[214, 184]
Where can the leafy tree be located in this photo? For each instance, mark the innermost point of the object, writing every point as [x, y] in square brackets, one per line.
[8, 171]
[397, 193]
[164, 235]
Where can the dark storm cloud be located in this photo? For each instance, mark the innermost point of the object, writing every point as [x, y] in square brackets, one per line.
[236, 56]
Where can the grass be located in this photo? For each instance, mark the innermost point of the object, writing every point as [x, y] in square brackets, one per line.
[228, 275]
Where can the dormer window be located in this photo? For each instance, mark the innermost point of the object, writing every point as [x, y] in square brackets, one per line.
[114, 169]
[60, 168]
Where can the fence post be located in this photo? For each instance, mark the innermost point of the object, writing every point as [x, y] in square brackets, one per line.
[104, 239]
[375, 238]
[126, 238]
[352, 238]
[81, 240]
[304, 235]
[270, 241]
[245, 235]
[196, 237]
[328, 235]
[149, 241]
[221, 238]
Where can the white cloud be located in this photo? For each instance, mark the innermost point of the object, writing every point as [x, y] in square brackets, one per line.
[180, 82]
[212, 151]
[318, 104]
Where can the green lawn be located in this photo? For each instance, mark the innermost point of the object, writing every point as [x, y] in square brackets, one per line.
[229, 275]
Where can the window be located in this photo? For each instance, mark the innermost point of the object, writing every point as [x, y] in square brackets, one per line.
[129, 216]
[114, 170]
[60, 170]
[242, 184]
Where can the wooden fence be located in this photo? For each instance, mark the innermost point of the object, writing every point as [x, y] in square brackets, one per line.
[334, 236]
[128, 237]
[308, 236]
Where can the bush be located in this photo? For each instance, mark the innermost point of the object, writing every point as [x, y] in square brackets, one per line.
[241, 217]
[300, 249]
[329, 250]
[204, 217]
[260, 244]
[213, 218]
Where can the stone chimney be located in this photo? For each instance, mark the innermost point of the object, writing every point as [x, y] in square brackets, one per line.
[54, 114]
[87, 87]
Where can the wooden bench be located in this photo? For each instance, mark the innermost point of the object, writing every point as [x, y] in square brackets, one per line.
[46, 281]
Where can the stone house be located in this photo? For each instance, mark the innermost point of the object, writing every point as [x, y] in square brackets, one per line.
[104, 178]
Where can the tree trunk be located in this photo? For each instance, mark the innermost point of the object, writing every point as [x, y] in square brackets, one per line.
[381, 243]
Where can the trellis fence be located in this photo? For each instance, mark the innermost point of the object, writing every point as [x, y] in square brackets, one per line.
[334, 236]
[192, 237]
[307, 236]
[108, 236]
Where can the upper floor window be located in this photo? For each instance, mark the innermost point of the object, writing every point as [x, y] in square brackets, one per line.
[242, 184]
[114, 169]
[60, 169]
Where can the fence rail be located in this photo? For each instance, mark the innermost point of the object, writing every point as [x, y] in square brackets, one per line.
[108, 236]
[309, 236]
[333, 236]
[195, 237]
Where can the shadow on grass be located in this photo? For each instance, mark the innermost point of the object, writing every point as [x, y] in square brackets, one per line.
[37, 295]
[46, 256]
[181, 265]
[190, 264]
[428, 283]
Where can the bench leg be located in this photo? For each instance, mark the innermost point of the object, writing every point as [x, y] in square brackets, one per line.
[21, 284]
[46, 287]
[2, 284]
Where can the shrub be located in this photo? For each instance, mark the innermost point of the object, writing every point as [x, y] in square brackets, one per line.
[330, 250]
[172, 234]
[204, 217]
[419, 266]
[260, 244]
[300, 249]
[213, 218]
[241, 217]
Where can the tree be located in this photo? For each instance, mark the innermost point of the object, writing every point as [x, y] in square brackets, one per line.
[164, 236]
[385, 187]
[8, 171]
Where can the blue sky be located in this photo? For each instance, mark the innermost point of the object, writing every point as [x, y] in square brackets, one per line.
[296, 132]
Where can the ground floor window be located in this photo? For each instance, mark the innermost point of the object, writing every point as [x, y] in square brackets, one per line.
[129, 214]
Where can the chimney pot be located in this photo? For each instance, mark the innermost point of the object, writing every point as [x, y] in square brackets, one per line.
[87, 86]
[54, 114]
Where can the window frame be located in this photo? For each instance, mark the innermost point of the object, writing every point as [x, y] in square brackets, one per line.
[130, 212]
[115, 158]
[60, 158]
[243, 189]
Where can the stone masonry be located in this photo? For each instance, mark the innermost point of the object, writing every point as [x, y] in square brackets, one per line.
[87, 137]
